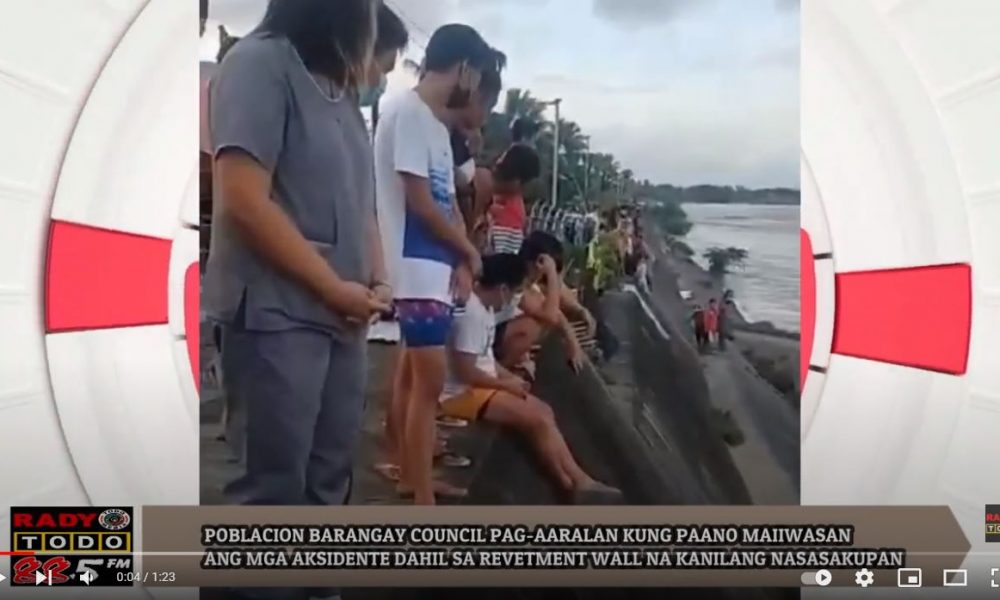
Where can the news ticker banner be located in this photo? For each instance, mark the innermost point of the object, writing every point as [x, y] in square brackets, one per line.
[775, 546]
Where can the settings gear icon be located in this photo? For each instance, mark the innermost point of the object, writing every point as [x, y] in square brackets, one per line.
[864, 578]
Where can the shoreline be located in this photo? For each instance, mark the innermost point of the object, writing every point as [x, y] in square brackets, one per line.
[772, 352]
[738, 320]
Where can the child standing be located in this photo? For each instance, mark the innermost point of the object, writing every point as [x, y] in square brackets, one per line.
[518, 166]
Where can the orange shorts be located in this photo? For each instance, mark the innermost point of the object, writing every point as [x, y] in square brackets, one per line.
[468, 405]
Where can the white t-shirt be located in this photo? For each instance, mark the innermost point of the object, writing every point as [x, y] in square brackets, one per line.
[410, 139]
[471, 333]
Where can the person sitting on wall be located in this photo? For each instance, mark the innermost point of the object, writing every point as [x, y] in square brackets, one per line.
[544, 306]
[478, 388]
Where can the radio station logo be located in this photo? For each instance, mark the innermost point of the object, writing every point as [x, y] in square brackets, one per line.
[993, 523]
[71, 546]
[114, 519]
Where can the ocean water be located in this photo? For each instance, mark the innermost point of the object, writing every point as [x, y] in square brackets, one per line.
[767, 289]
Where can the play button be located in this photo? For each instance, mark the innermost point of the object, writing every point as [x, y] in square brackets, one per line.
[821, 578]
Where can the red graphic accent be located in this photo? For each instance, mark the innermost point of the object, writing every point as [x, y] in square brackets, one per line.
[807, 269]
[919, 317]
[192, 294]
[8, 553]
[99, 279]
[55, 568]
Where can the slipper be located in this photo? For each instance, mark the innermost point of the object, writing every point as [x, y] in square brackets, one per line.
[446, 421]
[453, 461]
[388, 471]
[442, 489]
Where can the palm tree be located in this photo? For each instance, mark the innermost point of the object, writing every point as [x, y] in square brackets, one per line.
[520, 104]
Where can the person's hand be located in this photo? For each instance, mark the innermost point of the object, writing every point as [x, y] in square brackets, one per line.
[473, 259]
[356, 302]
[383, 292]
[461, 284]
[516, 386]
[474, 138]
[548, 267]
[591, 323]
[577, 358]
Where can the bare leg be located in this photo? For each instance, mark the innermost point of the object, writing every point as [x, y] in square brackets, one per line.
[519, 336]
[427, 370]
[534, 418]
[395, 417]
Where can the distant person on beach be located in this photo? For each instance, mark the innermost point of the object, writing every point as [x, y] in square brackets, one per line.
[478, 388]
[723, 322]
[517, 167]
[712, 321]
[700, 331]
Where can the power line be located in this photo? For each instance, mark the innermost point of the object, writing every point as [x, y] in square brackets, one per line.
[413, 25]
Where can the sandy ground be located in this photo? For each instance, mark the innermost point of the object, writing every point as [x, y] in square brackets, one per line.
[769, 458]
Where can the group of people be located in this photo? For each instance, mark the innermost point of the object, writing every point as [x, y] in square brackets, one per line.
[619, 249]
[710, 323]
[319, 230]
[576, 229]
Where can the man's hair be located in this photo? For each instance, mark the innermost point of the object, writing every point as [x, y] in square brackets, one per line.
[503, 269]
[491, 82]
[454, 44]
[524, 130]
[538, 243]
[392, 33]
[226, 43]
[333, 37]
[519, 163]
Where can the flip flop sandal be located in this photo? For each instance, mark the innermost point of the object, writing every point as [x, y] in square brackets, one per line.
[446, 421]
[454, 461]
[441, 490]
[388, 471]
[440, 449]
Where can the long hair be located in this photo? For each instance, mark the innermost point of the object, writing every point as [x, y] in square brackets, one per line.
[334, 38]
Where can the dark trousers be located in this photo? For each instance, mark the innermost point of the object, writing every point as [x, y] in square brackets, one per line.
[301, 395]
[701, 337]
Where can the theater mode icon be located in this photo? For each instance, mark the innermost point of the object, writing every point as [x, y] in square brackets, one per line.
[956, 578]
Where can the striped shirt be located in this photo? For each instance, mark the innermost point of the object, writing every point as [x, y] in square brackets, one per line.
[508, 222]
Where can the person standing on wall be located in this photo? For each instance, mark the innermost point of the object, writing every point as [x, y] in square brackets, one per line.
[425, 237]
[295, 272]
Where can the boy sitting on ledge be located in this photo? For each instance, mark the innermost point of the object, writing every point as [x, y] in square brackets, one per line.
[478, 388]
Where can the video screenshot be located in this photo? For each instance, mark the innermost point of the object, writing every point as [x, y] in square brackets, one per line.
[499, 299]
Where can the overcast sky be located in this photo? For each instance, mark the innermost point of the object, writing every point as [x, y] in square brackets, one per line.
[680, 91]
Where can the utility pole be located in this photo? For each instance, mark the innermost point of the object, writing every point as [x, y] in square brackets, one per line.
[555, 154]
